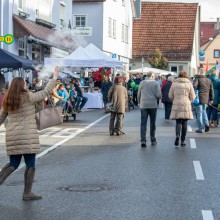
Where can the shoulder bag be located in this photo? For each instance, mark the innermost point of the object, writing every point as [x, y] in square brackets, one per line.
[48, 117]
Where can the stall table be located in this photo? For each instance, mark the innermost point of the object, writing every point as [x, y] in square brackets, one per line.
[95, 100]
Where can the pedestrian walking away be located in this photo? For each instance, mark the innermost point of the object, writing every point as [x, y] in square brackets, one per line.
[182, 94]
[21, 131]
[206, 95]
[148, 93]
[165, 98]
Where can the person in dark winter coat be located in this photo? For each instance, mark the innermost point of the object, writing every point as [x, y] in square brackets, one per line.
[106, 85]
[137, 81]
[206, 96]
[212, 111]
[165, 98]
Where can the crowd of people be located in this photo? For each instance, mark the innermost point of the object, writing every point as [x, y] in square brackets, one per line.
[67, 94]
[177, 93]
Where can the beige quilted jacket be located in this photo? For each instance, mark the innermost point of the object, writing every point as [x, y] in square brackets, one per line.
[182, 94]
[21, 131]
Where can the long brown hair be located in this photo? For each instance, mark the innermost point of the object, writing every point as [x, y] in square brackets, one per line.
[12, 98]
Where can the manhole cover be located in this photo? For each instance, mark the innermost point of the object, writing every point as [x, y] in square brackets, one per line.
[85, 188]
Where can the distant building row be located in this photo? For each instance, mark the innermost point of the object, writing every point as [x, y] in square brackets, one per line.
[44, 28]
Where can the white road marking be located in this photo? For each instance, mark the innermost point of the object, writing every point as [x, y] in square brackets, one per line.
[49, 133]
[189, 128]
[62, 132]
[207, 215]
[192, 143]
[198, 170]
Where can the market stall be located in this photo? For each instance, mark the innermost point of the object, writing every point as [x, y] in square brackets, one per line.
[94, 100]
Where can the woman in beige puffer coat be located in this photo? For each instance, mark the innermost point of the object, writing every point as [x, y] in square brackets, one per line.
[182, 94]
[21, 132]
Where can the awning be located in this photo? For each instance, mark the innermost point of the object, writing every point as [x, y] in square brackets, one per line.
[10, 60]
[41, 34]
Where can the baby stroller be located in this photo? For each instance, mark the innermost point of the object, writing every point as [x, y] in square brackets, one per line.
[130, 99]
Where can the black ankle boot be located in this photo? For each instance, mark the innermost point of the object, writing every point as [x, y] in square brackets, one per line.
[176, 143]
[183, 144]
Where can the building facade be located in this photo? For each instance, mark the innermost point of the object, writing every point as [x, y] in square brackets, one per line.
[171, 27]
[39, 27]
[106, 24]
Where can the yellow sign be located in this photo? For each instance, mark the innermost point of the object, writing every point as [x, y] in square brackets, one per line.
[8, 39]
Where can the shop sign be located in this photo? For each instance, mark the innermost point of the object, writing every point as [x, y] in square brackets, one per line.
[55, 52]
[82, 31]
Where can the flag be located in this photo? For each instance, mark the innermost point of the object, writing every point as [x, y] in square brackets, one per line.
[207, 66]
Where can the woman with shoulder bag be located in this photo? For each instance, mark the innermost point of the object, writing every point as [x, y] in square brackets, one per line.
[118, 96]
[22, 137]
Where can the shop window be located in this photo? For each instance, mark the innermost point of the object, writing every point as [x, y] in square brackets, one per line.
[36, 51]
[21, 48]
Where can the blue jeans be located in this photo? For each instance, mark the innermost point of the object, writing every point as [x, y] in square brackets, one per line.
[202, 117]
[168, 108]
[63, 103]
[81, 102]
[152, 112]
[29, 159]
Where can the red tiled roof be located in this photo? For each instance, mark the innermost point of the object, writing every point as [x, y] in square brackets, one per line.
[207, 30]
[25, 27]
[166, 26]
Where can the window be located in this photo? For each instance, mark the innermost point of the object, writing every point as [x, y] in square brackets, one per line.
[44, 10]
[122, 33]
[216, 53]
[21, 48]
[62, 15]
[201, 34]
[80, 21]
[173, 69]
[36, 49]
[21, 4]
[123, 2]
[109, 27]
[126, 34]
[114, 29]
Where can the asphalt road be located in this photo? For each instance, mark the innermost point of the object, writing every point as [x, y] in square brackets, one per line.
[89, 175]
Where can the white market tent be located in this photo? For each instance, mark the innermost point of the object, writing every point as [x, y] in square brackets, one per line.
[145, 70]
[95, 52]
[82, 57]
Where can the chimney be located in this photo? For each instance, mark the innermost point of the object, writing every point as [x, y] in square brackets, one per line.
[138, 8]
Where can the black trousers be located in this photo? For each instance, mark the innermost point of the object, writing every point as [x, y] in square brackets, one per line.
[181, 127]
